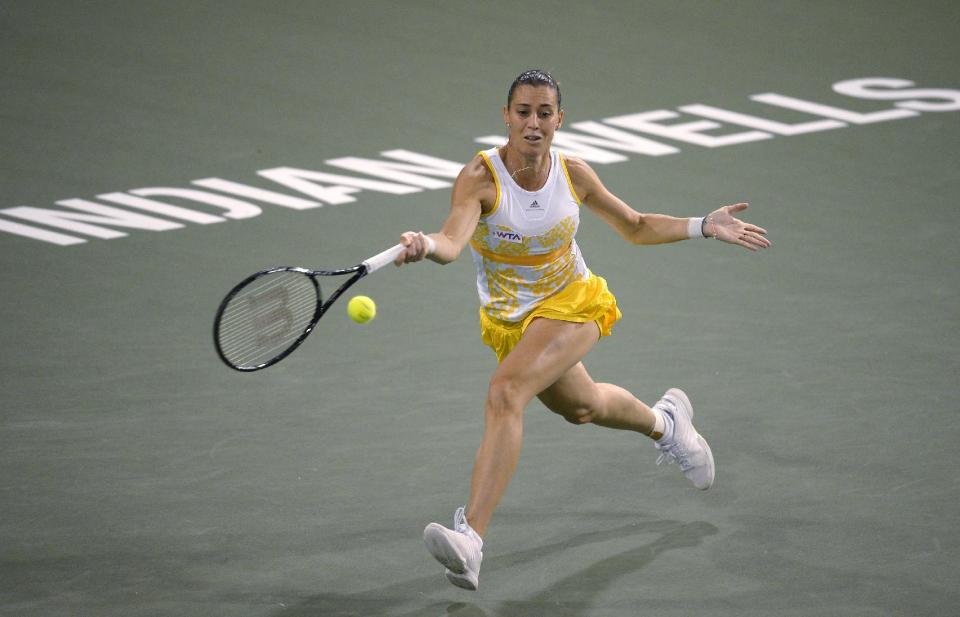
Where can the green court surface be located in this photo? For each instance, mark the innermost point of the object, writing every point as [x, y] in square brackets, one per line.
[139, 476]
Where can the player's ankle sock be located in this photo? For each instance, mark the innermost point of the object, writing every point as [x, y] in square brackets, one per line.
[662, 425]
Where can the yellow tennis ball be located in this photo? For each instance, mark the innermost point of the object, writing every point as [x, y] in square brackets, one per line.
[361, 309]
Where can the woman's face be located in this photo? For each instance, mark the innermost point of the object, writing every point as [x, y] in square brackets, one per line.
[532, 117]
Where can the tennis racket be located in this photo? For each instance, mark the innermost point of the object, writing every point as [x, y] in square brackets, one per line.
[269, 314]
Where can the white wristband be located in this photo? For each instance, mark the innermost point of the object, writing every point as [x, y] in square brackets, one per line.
[695, 227]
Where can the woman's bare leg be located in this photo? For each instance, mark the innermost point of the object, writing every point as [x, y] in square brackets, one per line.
[547, 351]
[580, 400]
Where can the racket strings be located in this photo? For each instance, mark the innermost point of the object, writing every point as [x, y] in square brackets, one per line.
[269, 312]
[255, 302]
[253, 348]
[266, 317]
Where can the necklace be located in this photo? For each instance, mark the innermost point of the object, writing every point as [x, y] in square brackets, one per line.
[514, 174]
[521, 170]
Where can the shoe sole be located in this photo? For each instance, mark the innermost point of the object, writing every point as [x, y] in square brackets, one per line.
[434, 537]
[681, 396]
[712, 466]
[461, 581]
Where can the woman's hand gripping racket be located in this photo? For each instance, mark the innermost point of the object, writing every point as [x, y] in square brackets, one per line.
[270, 313]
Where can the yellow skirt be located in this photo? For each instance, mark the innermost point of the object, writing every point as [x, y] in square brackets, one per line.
[580, 301]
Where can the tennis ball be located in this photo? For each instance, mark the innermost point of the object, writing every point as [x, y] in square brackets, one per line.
[361, 309]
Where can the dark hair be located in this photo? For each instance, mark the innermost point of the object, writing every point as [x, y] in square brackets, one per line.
[534, 77]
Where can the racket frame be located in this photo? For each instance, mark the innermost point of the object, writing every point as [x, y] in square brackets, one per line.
[358, 272]
[369, 265]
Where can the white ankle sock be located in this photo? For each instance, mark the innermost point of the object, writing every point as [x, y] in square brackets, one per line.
[662, 425]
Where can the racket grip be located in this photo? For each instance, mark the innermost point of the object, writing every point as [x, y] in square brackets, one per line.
[386, 257]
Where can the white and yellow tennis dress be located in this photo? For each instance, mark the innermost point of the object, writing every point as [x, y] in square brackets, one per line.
[528, 263]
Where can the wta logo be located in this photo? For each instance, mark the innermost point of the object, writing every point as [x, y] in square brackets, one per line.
[509, 236]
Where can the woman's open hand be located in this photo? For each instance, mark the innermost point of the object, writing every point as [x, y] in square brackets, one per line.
[722, 225]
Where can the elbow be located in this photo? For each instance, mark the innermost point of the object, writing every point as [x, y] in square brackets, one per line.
[639, 230]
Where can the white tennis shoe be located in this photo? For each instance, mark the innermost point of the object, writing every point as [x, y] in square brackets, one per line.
[685, 446]
[458, 549]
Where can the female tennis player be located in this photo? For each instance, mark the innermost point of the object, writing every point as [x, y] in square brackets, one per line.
[542, 309]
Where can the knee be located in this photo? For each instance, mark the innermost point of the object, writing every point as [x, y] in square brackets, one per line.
[578, 415]
[577, 410]
[504, 399]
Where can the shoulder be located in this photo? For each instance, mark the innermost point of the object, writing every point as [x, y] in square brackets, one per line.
[585, 180]
[476, 182]
[476, 171]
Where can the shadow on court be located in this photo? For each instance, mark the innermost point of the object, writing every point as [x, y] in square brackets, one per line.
[574, 595]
